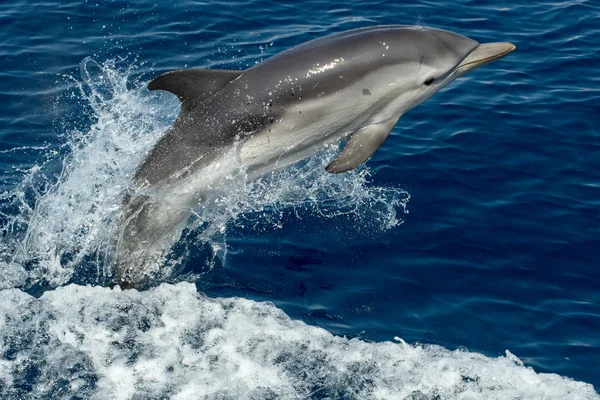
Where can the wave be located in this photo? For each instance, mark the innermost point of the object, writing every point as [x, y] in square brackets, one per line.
[173, 342]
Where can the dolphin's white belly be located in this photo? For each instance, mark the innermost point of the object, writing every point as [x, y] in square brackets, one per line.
[311, 125]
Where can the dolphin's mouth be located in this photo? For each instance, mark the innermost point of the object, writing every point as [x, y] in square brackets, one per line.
[484, 54]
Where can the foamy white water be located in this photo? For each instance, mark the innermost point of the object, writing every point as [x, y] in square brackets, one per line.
[170, 341]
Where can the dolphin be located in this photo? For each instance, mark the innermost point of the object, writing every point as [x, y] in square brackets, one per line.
[351, 86]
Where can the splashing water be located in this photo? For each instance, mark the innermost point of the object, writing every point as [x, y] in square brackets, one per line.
[58, 223]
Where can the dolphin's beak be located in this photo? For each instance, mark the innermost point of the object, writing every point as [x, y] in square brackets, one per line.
[484, 54]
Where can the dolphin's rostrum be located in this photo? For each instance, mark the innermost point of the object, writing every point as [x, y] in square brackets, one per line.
[351, 86]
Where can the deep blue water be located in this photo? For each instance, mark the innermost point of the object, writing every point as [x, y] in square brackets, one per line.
[500, 246]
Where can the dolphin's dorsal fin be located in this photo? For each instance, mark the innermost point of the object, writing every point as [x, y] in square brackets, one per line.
[361, 146]
[193, 86]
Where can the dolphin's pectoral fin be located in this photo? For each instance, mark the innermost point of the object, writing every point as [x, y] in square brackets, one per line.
[193, 86]
[360, 147]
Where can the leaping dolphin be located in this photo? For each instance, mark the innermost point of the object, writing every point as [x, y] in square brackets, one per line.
[351, 86]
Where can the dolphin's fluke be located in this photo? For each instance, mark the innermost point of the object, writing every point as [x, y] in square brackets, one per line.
[361, 146]
[193, 86]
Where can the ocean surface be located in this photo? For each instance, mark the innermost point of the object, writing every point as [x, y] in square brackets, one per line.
[461, 262]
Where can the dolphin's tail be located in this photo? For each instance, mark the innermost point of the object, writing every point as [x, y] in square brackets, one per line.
[147, 230]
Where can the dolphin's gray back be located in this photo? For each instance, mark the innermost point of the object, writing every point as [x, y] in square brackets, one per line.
[359, 52]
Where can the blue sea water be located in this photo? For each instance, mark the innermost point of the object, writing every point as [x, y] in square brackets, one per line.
[473, 230]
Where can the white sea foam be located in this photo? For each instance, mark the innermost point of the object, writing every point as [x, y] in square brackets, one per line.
[170, 341]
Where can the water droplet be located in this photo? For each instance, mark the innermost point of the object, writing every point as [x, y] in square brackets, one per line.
[462, 349]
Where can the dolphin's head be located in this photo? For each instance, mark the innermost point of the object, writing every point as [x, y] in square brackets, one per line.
[447, 55]
[425, 60]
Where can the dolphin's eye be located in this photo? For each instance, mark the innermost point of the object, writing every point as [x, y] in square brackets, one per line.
[429, 81]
